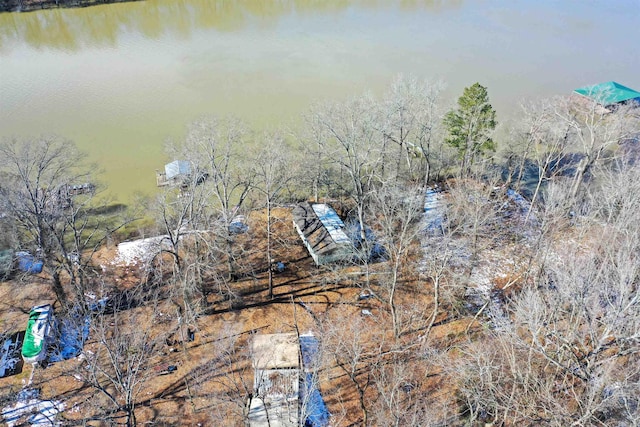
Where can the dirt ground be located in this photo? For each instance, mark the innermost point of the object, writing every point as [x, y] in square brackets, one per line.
[214, 374]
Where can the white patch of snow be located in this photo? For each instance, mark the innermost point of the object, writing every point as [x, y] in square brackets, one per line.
[434, 210]
[43, 412]
[9, 355]
[140, 251]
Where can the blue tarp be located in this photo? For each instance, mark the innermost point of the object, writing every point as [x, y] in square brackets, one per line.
[28, 264]
[315, 411]
[238, 225]
[309, 348]
[74, 331]
[10, 360]
[522, 203]
[377, 252]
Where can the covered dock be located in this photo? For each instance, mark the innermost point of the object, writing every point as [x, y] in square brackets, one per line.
[174, 173]
[609, 94]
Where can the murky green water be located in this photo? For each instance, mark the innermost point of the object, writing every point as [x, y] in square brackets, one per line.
[119, 79]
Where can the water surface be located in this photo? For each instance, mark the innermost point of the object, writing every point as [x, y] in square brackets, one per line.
[119, 79]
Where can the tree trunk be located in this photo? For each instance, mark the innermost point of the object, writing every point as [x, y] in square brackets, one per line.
[131, 416]
[58, 288]
[436, 305]
[392, 302]
[269, 260]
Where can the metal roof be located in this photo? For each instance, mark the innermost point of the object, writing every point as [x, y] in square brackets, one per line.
[331, 222]
[322, 231]
[609, 93]
[177, 168]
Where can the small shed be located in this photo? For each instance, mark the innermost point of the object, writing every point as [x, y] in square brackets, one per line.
[175, 173]
[276, 351]
[323, 233]
[609, 93]
[276, 384]
[177, 168]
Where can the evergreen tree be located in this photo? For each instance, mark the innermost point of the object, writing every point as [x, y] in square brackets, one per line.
[470, 126]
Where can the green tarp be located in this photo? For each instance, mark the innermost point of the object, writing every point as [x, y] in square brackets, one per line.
[37, 333]
[609, 93]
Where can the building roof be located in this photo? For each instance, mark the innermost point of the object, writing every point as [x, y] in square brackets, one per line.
[276, 351]
[322, 229]
[275, 402]
[276, 362]
[177, 168]
[609, 93]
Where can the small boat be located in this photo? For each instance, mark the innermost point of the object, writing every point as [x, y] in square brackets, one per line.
[38, 333]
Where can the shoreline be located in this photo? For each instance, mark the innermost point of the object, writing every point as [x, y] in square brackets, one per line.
[12, 6]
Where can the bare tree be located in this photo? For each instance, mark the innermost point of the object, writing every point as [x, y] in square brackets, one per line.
[411, 119]
[356, 146]
[594, 130]
[274, 171]
[126, 346]
[346, 343]
[396, 210]
[541, 140]
[474, 212]
[197, 217]
[213, 146]
[571, 356]
[224, 378]
[48, 193]
[318, 159]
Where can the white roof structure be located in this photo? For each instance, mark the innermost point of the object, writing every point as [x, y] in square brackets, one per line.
[331, 222]
[177, 168]
[275, 351]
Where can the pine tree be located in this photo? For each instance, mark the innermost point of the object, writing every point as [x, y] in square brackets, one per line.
[471, 125]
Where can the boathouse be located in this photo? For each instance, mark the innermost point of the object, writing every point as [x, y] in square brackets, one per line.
[610, 94]
[322, 232]
[176, 172]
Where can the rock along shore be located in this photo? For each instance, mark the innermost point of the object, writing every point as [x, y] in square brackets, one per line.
[31, 5]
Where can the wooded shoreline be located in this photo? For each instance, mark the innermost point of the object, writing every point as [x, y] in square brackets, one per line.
[32, 5]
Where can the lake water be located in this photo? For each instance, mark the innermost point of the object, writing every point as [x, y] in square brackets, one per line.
[119, 79]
